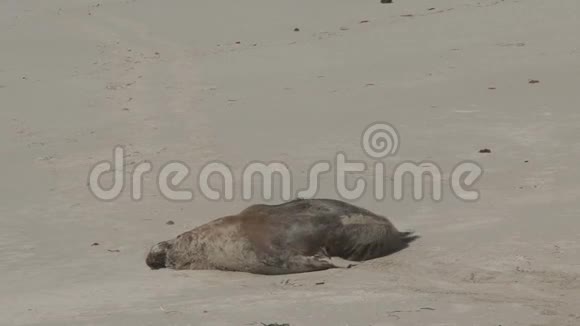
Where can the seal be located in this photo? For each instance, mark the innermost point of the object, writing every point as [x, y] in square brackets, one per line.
[303, 235]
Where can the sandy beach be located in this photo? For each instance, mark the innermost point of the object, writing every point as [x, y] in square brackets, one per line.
[200, 81]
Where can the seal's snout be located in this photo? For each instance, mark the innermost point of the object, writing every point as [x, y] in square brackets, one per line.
[157, 257]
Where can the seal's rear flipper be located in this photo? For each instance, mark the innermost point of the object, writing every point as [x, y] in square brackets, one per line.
[408, 237]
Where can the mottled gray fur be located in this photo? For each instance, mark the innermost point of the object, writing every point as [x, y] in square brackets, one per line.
[298, 236]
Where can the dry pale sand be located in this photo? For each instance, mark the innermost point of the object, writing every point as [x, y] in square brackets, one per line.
[167, 80]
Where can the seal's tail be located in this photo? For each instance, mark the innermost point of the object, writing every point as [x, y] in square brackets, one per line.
[408, 237]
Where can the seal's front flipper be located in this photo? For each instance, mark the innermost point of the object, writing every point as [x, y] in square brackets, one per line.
[292, 264]
[316, 263]
[338, 262]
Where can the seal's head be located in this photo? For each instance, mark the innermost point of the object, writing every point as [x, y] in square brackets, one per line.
[157, 257]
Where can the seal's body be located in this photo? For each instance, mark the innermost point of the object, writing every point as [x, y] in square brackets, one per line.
[299, 236]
